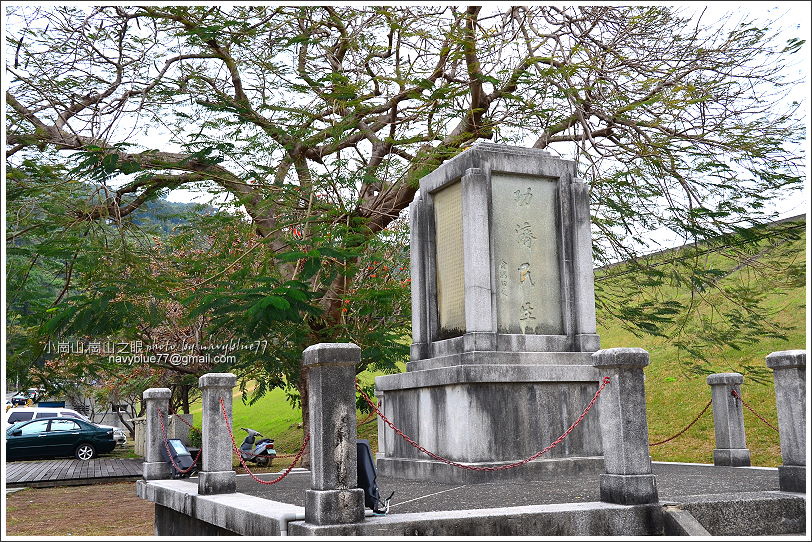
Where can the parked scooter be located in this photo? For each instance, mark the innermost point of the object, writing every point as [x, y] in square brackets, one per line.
[262, 454]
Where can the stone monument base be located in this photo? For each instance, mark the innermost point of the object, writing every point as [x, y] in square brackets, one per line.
[216, 482]
[430, 469]
[490, 415]
[334, 506]
[155, 470]
[629, 488]
[731, 457]
[792, 478]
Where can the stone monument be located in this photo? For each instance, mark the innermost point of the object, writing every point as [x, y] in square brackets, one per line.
[503, 321]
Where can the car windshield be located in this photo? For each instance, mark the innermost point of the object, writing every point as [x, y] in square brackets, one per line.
[12, 427]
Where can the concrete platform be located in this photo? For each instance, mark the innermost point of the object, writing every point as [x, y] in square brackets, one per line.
[674, 482]
[726, 500]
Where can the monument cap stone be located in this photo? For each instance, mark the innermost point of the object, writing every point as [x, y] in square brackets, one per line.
[331, 353]
[217, 380]
[157, 393]
[620, 357]
[787, 359]
[724, 378]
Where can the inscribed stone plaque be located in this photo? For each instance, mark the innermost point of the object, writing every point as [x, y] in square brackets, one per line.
[450, 265]
[525, 241]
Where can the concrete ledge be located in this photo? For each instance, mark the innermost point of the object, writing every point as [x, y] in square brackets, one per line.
[465, 374]
[575, 519]
[760, 513]
[749, 513]
[235, 512]
[679, 522]
[709, 465]
[428, 469]
[502, 358]
[508, 342]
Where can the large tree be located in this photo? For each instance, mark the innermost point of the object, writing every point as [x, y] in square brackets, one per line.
[318, 122]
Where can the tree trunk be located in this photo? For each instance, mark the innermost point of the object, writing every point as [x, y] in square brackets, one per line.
[130, 428]
[184, 390]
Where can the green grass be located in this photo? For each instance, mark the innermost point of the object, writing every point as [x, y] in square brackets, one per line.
[274, 417]
[271, 415]
[673, 397]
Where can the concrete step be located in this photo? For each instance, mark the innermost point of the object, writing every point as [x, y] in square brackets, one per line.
[502, 358]
[759, 513]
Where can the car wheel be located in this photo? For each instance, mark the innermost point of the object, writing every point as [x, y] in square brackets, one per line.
[85, 452]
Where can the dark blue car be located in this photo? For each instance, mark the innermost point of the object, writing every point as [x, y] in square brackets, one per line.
[58, 437]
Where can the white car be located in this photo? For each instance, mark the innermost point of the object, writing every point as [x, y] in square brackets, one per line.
[24, 414]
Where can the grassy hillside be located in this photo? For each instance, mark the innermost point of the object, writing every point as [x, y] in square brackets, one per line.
[674, 397]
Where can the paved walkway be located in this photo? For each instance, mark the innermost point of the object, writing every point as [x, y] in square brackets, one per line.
[70, 472]
[675, 482]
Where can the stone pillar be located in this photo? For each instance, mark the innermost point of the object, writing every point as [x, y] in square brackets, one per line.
[333, 497]
[417, 272]
[585, 338]
[624, 430]
[216, 474]
[178, 429]
[480, 333]
[382, 427]
[789, 374]
[728, 421]
[155, 468]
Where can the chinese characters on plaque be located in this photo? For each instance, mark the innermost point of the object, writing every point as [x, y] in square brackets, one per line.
[525, 235]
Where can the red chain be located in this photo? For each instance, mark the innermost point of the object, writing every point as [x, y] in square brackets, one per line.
[242, 461]
[169, 452]
[447, 461]
[686, 427]
[735, 394]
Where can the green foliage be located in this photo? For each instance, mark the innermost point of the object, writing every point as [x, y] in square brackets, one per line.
[195, 438]
[311, 126]
[710, 297]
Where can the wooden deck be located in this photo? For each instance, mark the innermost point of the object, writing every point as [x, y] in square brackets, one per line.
[70, 472]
